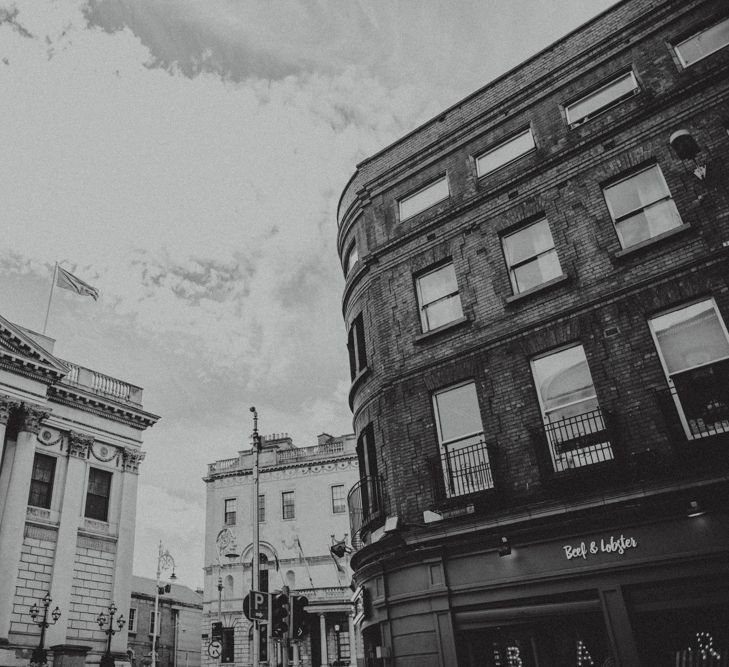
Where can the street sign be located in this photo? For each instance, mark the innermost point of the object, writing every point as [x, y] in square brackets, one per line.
[259, 602]
[216, 633]
[255, 606]
[215, 649]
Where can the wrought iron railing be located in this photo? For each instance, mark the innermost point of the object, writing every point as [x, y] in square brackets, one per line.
[367, 507]
[703, 395]
[461, 469]
[580, 440]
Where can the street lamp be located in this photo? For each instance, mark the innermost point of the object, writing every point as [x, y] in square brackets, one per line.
[337, 630]
[39, 656]
[107, 660]
[164, 562]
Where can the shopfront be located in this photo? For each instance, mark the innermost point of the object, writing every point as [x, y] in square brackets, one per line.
[653, 594]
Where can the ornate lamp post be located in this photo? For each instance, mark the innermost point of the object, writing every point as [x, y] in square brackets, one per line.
[39, 656]
[164, 562]
[107, 660]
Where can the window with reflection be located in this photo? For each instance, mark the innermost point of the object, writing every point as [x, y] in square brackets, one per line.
[531, 256]
[693, 346]
[641, 206]
[424, 198]
[438, 297]
[506, 152]
[612, 93]
[41, 481]
[573, 421]
[463, 451]
[703, 43]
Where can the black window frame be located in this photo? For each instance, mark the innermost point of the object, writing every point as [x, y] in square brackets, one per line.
[42, 489]
[230, 517]
[356, 347]
[97, 505]
[285, 505]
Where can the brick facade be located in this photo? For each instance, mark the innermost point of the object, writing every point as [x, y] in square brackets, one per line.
[602, 299]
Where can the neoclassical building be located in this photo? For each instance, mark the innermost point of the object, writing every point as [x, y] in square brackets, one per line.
[302, 513]
[69, 461]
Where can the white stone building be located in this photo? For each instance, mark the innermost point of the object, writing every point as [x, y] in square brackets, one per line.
[70, 448]
[303, 511]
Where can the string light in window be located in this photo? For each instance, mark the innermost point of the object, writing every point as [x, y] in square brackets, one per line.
[706, 645]
[583, 655]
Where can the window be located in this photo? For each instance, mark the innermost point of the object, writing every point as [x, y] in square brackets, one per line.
[339, 505]
[132, 620]
[97, 494]
[463, 452]
[438, 297]
[531, 256]
[152, 617]
[703, 43]
[505, 152]
[356, 347]
[261, 508]
[368, 473]
[694, 349]
[343, 646]
[263, 573]
[350, 259]
[227, 652]
[612, 93]
[229, 511]
[573, 421]
[641, 206]
[41, 482]
[287, 505]
[424, 198]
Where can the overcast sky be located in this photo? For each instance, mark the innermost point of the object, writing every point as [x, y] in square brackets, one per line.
[186, 157]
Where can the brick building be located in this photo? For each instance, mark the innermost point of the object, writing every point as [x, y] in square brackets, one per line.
[537, 299]
[178, 629]
[302, 513]
[70, 449]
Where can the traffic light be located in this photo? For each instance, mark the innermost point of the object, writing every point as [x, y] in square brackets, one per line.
[280, 615]
[299, 617]
[164, 589]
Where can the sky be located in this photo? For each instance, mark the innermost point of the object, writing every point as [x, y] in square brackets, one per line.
[186, 157]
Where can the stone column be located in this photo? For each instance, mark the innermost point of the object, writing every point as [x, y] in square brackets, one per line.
[12, 525]
[352, 641]
[71, 510]
[122, 591]
[323, 640]
[6, 405]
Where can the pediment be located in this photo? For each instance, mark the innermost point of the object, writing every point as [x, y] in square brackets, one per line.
[18, 348]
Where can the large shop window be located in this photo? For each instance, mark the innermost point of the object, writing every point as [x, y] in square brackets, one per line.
[463, 452]
[694, 349]
[531, 256]
[562, 641]
[97, 494]
[573, 421]
[356, 347]
[641, 206]
[703, 43]
[438, 297]
[41, 483]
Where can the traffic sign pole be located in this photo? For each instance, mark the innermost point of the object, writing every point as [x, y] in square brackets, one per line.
[256, 545]
[287, 635]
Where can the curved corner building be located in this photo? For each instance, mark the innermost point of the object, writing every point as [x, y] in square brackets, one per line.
[537, 300]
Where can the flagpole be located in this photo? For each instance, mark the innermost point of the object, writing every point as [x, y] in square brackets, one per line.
[50, 297]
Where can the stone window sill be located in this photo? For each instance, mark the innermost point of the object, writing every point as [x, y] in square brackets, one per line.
[626, 252]
[433, 333]
[515, 298]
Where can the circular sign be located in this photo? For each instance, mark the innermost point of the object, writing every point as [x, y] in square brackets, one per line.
[215, 649]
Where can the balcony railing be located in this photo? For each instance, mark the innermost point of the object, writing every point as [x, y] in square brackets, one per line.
[223, 466]
[102, 384]
[703, 397]
[461, 469]
[580, 440]
[317, 451]
[367, 507]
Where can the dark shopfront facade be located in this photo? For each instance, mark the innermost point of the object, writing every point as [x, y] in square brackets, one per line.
[609, 589]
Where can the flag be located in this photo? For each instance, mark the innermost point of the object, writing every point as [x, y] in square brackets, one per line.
[69, 281]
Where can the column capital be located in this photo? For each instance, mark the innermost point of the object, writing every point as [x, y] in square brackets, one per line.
[30, 418]
[7, 405]
[79, 445]
[131, 460]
